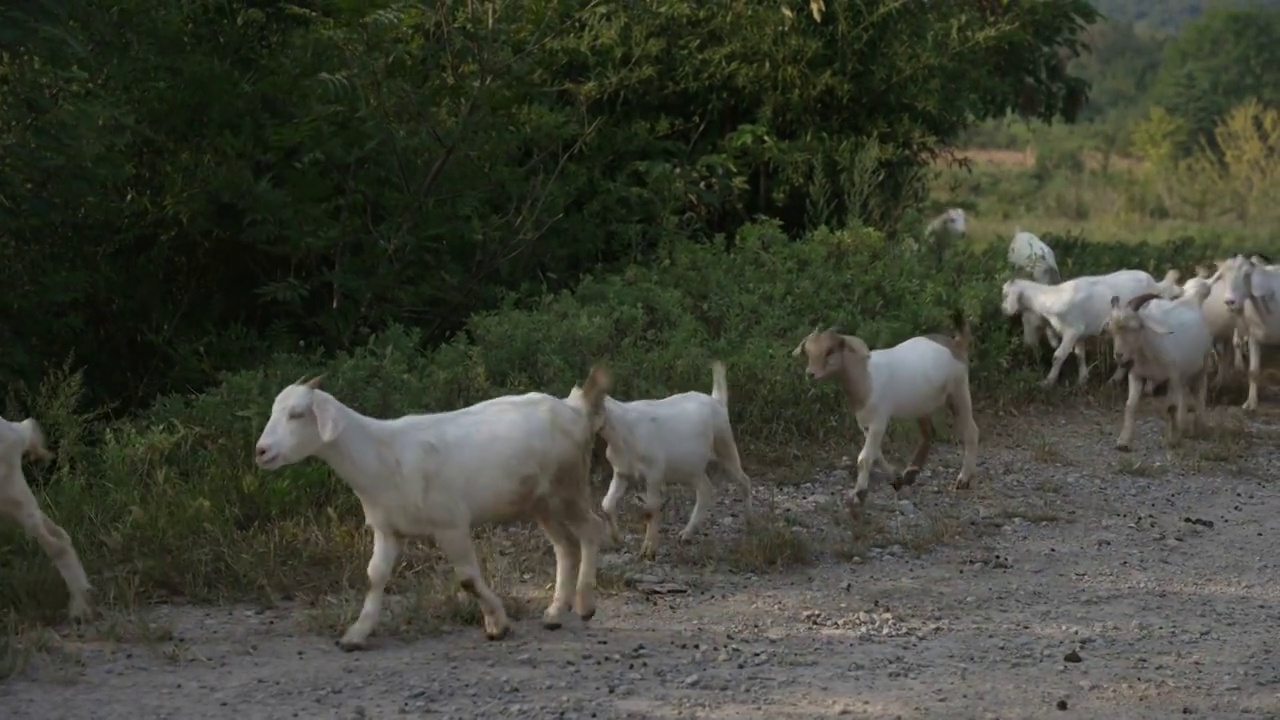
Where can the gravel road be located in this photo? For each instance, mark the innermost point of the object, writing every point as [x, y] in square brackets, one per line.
[1074, 581]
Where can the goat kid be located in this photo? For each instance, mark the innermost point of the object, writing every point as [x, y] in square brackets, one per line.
[909, 381]
[18, 503]
[441, 474]
[672, 439]
[1162, 340]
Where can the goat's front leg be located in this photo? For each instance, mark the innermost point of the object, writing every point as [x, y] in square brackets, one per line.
[458, 549]
[58, 546]
[870, 450]
[1125, 441]
[652, 512]
[912, 472]
[1255, 371]
[568, 555]
[617, 490]
[386, 550]
[703, 493]
[1065, 348]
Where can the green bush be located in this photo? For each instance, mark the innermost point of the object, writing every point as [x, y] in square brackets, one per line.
[169, 503]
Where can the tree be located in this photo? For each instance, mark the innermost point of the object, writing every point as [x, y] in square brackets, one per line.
[1217, 62]
[207, 181]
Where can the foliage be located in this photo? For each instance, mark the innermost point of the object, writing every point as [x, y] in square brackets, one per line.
[1216, 63]
[208, 181]
[180, 477]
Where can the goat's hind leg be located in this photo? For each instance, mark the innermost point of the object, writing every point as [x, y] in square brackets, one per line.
[961, 403]
[589, 531]
[457, 547]
[653, 479]
[564, 543]
[912, 471]
[62, 553]
[703, 493]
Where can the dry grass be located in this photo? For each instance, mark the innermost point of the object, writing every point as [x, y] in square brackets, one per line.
[1026, 159]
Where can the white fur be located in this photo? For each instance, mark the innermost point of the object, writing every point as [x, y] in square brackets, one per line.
[672, 439]
[1077, 309]
[441, 474]
[19, 504]
[1029, 254]
[953, 220]
[910, 380]
[1224, 325]
[1165, 340]
[1253, 295]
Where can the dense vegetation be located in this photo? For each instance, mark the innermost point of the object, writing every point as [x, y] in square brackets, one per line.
[440, 203]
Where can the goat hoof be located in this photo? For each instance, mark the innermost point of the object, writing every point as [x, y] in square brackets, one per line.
[501, 633]
[860, 497]
[961, 483]
[588, 615]
[1123, 447]
[546, 623]
[348, 645]
[908, 478]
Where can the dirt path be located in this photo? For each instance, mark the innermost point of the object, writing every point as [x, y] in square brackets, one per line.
[1069, 550]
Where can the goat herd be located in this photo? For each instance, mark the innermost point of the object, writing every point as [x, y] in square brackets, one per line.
[528, 457]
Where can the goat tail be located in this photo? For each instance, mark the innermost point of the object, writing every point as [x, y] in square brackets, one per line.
[964, 334]
[594, 390]
[719, 383]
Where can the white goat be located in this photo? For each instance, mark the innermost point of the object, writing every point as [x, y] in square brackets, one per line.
[1251, 294]
[441, 474]
[1162, 340]
[1029, 254]
[952, 221]
[672, 439]
[909, 381]
[1077, 309]
[19, 504]
[1224, 326]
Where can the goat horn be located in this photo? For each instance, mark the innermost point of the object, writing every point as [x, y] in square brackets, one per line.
[314, 382]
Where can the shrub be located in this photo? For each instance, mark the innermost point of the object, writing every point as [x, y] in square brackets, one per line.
[169, 503]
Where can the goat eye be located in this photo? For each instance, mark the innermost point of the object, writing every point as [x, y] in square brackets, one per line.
[296, 414]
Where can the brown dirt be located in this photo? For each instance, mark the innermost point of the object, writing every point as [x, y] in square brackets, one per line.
[1065, 549]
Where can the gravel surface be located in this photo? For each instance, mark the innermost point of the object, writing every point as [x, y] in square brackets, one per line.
[1074, 581]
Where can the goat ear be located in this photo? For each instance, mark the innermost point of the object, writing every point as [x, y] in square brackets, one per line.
[1115, 302]
[329, 420]
[799, 349]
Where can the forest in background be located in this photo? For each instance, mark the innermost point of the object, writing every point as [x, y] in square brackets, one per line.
[1179, 138]
[439, 203]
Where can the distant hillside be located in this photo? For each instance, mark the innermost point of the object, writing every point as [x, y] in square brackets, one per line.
[1165, 15]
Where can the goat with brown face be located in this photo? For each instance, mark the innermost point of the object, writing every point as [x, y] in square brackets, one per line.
[908, 381]
[1162, 340]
